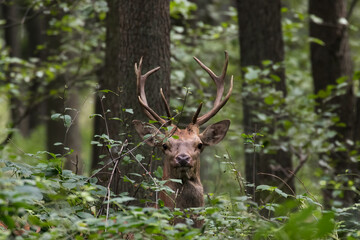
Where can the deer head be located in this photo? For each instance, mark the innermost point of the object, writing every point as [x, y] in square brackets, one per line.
[182, 147]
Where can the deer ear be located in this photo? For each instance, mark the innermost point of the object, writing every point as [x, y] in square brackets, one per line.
[214, 133]
[145, 130]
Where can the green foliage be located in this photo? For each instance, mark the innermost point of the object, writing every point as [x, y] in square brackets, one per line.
[57, 204]
[73, 48]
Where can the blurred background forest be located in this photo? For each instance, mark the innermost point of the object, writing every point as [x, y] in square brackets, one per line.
[289, 167]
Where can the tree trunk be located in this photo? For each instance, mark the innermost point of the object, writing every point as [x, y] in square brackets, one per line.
[330, 62]
[260, 37]
[36, 30]
[57, 132]
[55, 129]
[134, 29]
[13, 42]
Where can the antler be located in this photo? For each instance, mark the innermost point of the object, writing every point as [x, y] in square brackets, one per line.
[140, 83]
[219, 82]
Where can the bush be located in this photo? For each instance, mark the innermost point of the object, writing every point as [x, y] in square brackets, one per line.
[46, 202]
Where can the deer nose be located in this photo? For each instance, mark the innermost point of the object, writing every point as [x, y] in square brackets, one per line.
[183, 160]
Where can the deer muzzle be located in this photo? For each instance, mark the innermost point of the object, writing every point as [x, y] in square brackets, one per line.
[183, 161]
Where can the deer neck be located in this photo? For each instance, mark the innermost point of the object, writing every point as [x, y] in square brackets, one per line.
[188, 193]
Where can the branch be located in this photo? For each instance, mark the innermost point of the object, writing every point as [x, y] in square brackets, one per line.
[108, 194]
[351, 9]
[303, 158]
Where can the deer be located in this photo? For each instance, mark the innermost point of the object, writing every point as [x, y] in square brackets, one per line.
[182, 153]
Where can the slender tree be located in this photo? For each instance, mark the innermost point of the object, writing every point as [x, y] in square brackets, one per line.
[36, 32]
[63, 137]
[135, 29]
[11, 12]
[260, 37]
[329, 62]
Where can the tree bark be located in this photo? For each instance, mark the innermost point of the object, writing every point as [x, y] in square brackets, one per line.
[260, 36]
[36, 30]
[135, 29]
[328, 63]
[13, 42]
[64, 98]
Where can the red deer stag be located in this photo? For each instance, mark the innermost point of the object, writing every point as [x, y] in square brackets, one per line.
[182, 153]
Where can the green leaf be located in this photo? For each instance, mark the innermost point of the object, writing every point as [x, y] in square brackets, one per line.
[84, 215]
[69, 185]
[325, 225]
[159, 172]
[341, 79]
[147, 136]
[128, 110]
[357, 75]
[33, 193]
[276, 78]
[281, 193]
[176, 180]
[55, 116]
[264, 188]
[261, 116]
[126, 179]
[266, 63]
[67, 121]
[139, 157]
[317, 41]
[251, 74]
[95, 115]
[269, 100]
[316, 19]
[122, 199]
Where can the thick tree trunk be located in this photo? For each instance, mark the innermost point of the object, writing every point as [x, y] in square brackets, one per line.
[330, 62]
[260, 36]
[134, 29]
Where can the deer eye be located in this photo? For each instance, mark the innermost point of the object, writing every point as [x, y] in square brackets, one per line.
[165, 147]
[200, 145]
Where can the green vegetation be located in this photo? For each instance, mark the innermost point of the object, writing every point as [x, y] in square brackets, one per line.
[40, 199]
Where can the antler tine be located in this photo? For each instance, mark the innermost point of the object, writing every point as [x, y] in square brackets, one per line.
[206, 117]
[195, 117]
[219, 82]
[140, 83]
[167, 107]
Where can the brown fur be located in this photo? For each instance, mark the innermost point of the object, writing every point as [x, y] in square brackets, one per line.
[186, 142]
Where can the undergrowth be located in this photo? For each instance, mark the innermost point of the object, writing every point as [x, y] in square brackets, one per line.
[47, 202]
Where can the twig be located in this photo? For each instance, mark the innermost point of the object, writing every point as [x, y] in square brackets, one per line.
[254, 166]
[104, 114]
[182, 109]
[351, 9]
[127, 152]
[283, 182]
[305, 188]
[239, 178]
[110, 180]
[148, 173]
[134, 148]
[303, 158]
[77, 164]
